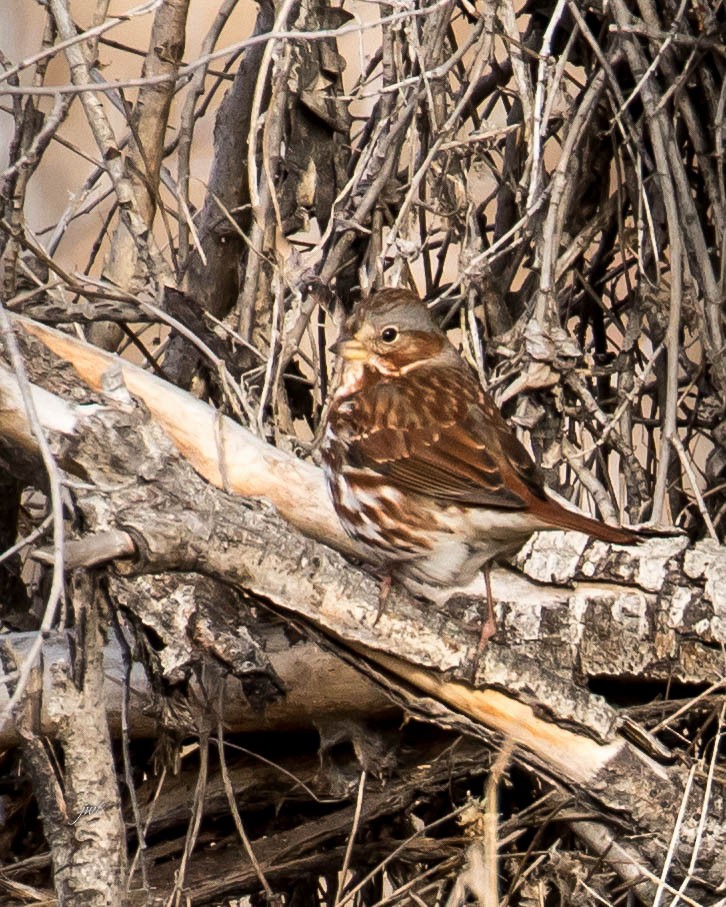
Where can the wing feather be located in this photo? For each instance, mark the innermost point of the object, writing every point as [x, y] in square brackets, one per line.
[464, 453]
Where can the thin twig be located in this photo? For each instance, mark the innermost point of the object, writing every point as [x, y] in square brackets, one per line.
[56, 593]
[351, 837]
[675, 836]
[197, 810]
[229, 791]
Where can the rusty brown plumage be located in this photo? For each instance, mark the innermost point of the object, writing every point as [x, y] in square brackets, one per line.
[423, 470]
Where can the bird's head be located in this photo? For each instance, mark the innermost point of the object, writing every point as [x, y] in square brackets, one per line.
[392, 332]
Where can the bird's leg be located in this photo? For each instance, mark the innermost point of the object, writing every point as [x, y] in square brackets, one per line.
[384, 590]
[489, 627]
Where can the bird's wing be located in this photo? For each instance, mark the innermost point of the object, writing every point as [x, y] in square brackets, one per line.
[453, 445]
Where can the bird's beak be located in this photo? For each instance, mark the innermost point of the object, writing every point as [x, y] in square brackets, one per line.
[348, 347]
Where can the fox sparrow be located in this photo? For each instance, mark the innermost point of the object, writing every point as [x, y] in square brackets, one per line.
[423, 471]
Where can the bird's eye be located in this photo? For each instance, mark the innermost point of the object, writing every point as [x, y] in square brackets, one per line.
[388, 335]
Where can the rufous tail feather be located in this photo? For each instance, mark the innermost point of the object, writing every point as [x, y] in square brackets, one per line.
[566, 519]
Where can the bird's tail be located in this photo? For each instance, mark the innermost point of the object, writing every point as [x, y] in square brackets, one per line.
[567, 519]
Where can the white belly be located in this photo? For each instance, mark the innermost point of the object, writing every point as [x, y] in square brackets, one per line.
[413, 537]
[457, 555]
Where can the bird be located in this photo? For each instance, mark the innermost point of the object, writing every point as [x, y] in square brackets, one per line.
[423, 471]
